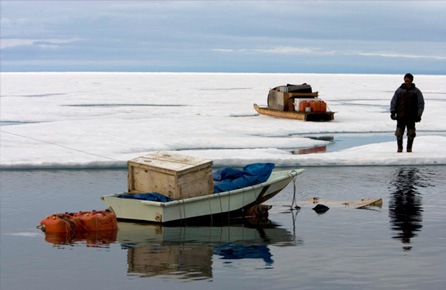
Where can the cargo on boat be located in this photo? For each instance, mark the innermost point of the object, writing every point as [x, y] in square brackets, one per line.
[297, 102]
[168, 188]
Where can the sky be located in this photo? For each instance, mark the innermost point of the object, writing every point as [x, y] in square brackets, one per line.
[373, 37]
[102, 120]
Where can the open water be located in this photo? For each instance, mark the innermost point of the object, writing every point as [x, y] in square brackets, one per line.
[398, 246]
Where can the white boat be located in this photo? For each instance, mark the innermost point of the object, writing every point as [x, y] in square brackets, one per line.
[216, 206]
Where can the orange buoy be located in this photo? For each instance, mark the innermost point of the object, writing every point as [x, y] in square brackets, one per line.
[102, 220]
[60, 223]
[95, 227]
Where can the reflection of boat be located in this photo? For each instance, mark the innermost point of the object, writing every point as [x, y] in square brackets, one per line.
[144, 234]
[217, 206]
[295, 102]
[187, 252]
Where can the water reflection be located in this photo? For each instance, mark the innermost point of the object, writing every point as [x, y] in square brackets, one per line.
[90, 239]
[184, 252]
[405, 204]
[188, 252]
[315, 149]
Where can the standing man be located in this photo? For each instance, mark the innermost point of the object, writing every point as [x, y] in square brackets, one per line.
[406, 108]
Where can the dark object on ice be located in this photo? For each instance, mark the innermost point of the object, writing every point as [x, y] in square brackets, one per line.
[320, 208]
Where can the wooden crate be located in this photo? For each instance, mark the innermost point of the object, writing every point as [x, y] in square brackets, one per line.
[283, 101]
[173, 175]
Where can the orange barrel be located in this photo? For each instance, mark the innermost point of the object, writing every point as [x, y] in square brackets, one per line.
[88, 221]
[98, 221]
[59, 223]
[311, 105]
[302, 106]
[314, 106]
[318, 106]
[323, 106]
[107, 220]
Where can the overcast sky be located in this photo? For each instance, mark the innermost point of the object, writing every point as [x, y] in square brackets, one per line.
[225, 36]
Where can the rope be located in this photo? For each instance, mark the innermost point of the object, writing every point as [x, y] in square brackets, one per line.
[63, 146]
[293, 202]
[72, 224]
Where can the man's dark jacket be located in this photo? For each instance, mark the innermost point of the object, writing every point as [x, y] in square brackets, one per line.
[407, 103]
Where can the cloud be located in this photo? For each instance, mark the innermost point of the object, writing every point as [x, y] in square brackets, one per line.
[215, 35]
[402, 55]
[290, 50]
[42, 43]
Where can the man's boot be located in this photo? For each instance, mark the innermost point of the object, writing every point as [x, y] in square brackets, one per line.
[399, 141]
[409, 144]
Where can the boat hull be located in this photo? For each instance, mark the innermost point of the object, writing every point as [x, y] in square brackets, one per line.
[229, 203]
[304, 116]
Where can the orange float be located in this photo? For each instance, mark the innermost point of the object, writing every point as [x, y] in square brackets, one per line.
[60, 223]
[97, 227]
[102, 220]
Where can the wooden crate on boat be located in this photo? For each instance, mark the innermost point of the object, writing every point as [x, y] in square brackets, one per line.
[173, 175]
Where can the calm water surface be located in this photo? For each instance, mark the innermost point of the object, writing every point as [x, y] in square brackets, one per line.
[398, 246]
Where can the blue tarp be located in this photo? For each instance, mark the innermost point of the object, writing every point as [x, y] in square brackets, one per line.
[152, 196]
[229, 178]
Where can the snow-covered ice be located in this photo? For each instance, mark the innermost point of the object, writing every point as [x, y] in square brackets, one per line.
[97, 120]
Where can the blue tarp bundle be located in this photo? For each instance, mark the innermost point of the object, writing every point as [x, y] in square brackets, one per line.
[229, 178]
[152, 196]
